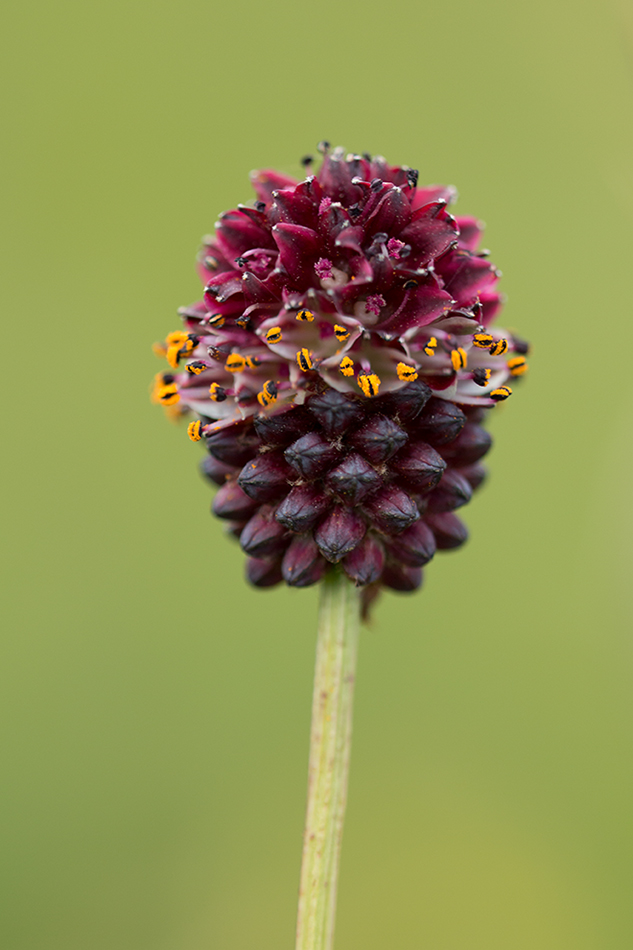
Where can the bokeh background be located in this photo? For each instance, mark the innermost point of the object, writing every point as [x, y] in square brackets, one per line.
[155, 709]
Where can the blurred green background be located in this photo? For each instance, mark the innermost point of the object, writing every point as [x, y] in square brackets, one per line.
[156, 710]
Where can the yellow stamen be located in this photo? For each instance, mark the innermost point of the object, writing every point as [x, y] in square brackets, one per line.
[517, 365]
[498, 348]
[306, 316]
[274, 335]
[196, 367]
[341, 333]
[346, 366]
[459, 358]
[370, 384]
[235, 363]
[193, 430]
[216, 393]
[252, 362]
[168, 395]
[500, 394]
[406, 373]
[304, 359]
[483, 340]
[268, 395]
[431, 346]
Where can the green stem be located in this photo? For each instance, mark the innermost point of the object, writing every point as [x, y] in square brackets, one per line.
[330, 742]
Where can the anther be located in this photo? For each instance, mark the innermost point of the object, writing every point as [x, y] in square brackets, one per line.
[307, 160]
[168, 395]
[274, 335]
[341, 333]
[196, 367]
[215, 320]
[483, 340]
[376, 184]
[481, 376]
[369, 383]
[235, 363]
[355, 210]
[323, 147]
[260, 206]
[177, 338]
[217, 393]
[240, 261]
[406, 373]
[499, 347]
[193, 430]
[410, 284]
[459, 359]
[304, 360]
[412, 177]
[305, 316]
[346, 366]
[268, 395]
[517, 365]
[243, 322]
[500, 394]
[252, 361]
[431, 346]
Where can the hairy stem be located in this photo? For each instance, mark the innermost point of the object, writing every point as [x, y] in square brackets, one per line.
[330, 742]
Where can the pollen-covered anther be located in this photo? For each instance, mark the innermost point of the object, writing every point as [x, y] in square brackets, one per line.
[431, 346]
[274, 335]
[369, 384]
[251, 362]
[459, 359]
[346, 366]
[216, 320]
[406, 373]
[235, 363]
[500, 394]
[517, 365]
[177, 338]
[194, 430]
[304, 360]
[483, 340]
[341, 333]
[305, 316]
[168, 395]
[481, 376]
[268, 395]
[195, 368]
[217, 393]
[499, 347]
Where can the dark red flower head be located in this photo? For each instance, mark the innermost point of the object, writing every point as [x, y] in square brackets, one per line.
[339, 367]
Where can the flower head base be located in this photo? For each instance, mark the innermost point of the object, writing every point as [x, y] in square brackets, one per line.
[339, 365]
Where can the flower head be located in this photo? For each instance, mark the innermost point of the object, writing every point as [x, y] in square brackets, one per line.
[339, 367]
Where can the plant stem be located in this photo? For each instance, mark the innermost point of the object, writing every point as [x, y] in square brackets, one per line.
[330, 742]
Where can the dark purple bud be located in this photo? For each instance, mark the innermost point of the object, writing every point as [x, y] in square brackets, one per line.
[232, 503]
[475, 414]
[415, 546]
[392, 510]
[441, 422]
[401, 577]
[311, 455]
[339, 533]
[335, 411]
[452, 492]
[282, 428]
[409, 401]
[235, 528]
[262, 572]
[302, 564]
[475, 474]
[234, 445]
[215, 470]
[364, 565]
[303, 507]
[263, 536]
[265, 477]
[471, 444]
[420, 466]
[379, 439]
[449, 531]
[354, 479]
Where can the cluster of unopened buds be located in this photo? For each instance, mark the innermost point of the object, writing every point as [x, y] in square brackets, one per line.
[339, 368]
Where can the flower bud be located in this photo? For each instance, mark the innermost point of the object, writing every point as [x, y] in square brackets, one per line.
[311, 455]
[401, 577]
[335, 411]
[263, 536]
[441, 422]
[452, 492]
[471, 444]
[339, 533]
[420, 467]
[449, 531]
[216, 471]
[302, 507]
[408, 402]
[232, 503]
[415, 546]
[392, 510]
[379, 439]
[354, 479]
[475, 474]
[282, 428]
[302, 564]
[265, 477]
[263, 572]
[365, 563]
[234, 445]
